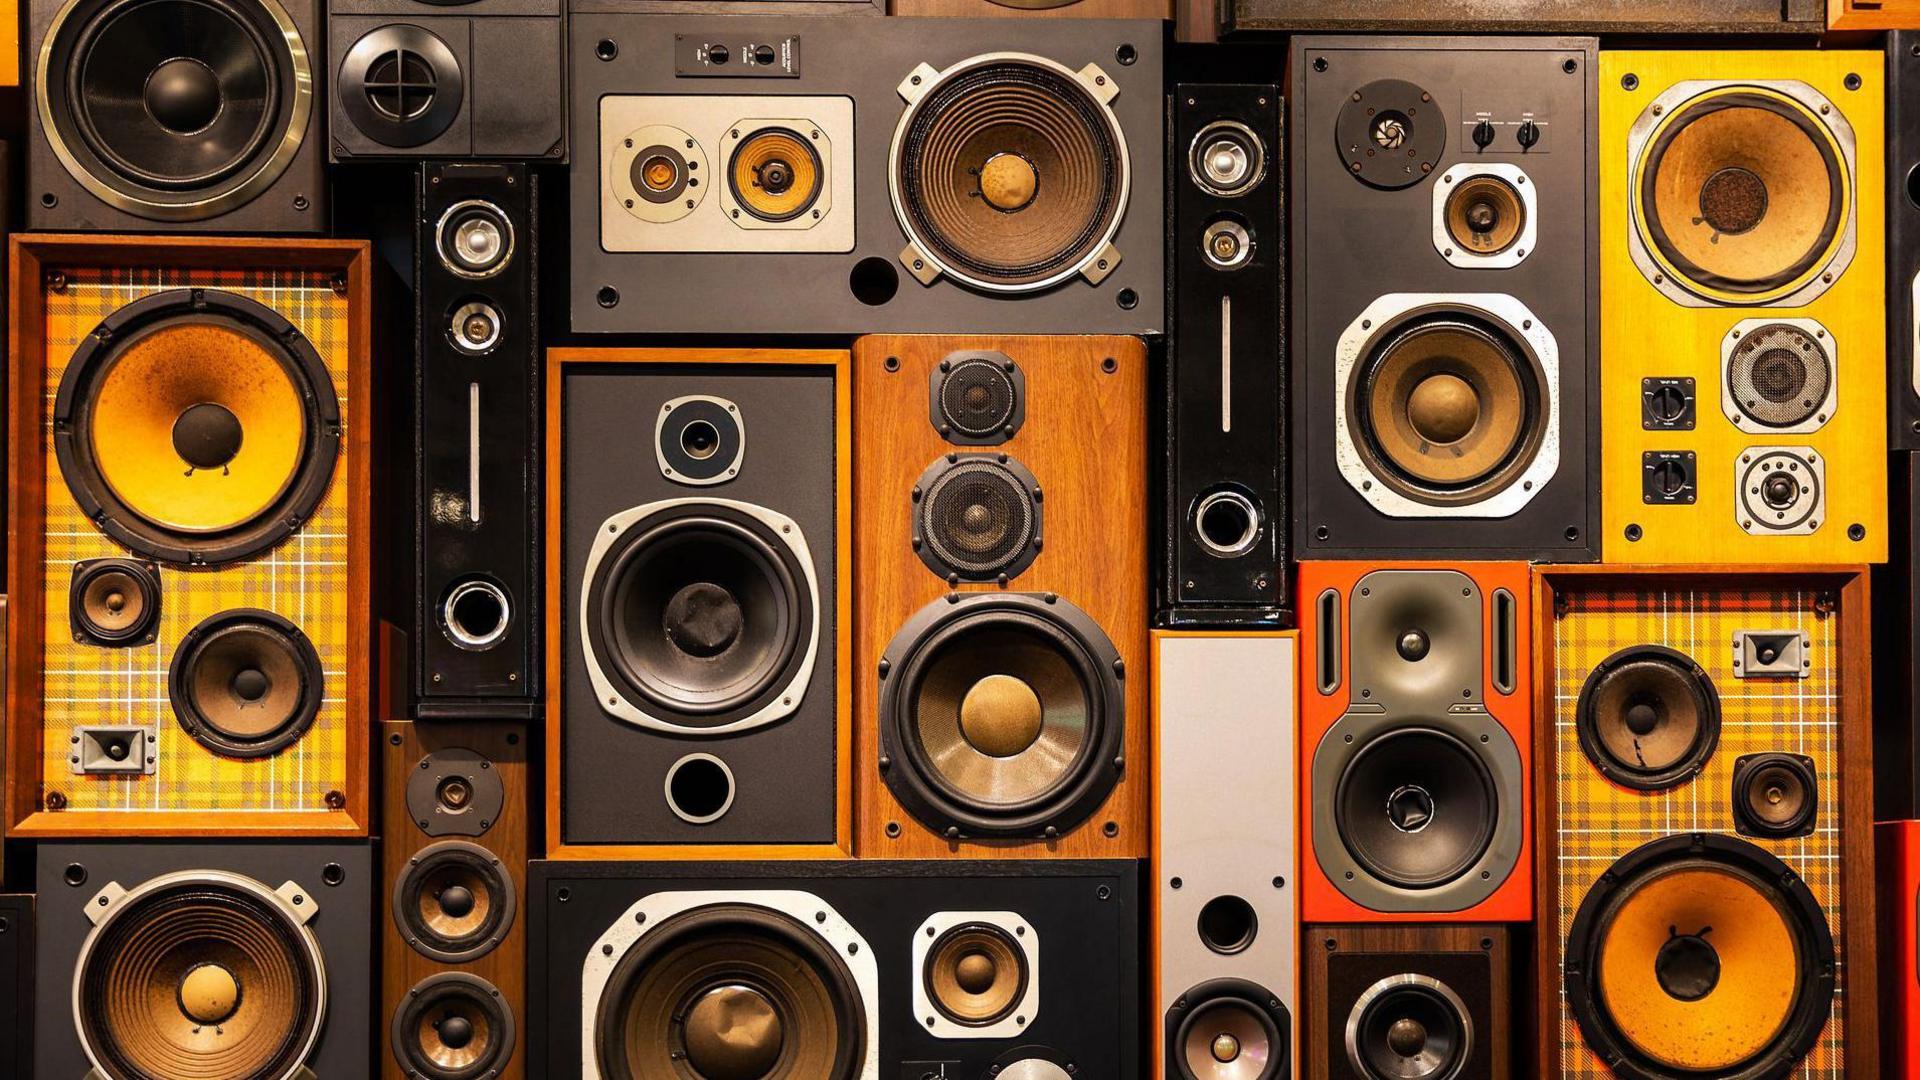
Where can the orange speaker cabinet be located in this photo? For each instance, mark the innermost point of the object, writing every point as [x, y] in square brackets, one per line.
[189, 543]
[1001, 549]
[1873, 14]
[1416, 742]
[1898, 849]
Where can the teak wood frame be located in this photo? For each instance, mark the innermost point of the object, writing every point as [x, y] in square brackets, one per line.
[558, 361]
[31, 258]
[1857, 885]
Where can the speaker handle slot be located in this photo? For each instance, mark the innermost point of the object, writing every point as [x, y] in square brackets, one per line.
[1328, 650]
[1506, 640]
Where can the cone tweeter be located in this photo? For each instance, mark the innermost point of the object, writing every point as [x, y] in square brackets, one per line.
[1775, 795]
[977, 517]
[978, 975]
[246, 683]
[114, 602]
[197, 426]
[1648, 717]
[1228, 1030]
[453, 1026]
[1409, 1026]
[1001, 714]
[1742, 193]
[1778, 375]
[1700, 955]
[977, 399]
[199, 974]
[455, 902]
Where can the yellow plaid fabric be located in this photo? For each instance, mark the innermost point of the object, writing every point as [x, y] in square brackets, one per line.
[1600, 821]
[304, 579]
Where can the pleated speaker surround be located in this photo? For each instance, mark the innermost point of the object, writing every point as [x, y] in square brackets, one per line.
[187, 961]
[1000, 674]
[1706, 885]
[700, 572]
[843, 970]
[454, 854]
[189, 537]
[1416, 740]
[1743, 288]
[1226, 913]
[1409, 1001]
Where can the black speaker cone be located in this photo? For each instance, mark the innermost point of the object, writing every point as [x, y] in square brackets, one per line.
[978, 400]
[1417, 807]
[1228, 1029]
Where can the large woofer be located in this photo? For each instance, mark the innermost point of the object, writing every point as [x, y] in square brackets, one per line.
[975, 974]
[1700, 955]
[977, 517]
[454, 902]
[700, 614]
[175, 110]
[246, 683]
[731, 992]
[200, 974]
[1009, 172]
[1228, 1029]
[1001, 714]
[1648, 717]
[1417, 807]
[453, 1026]
[1409, 1027]
[197, 426]
[1742, 193]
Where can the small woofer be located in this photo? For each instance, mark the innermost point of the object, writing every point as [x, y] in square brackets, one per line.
[977, 399]
[1228, 1030]
[476, 614]
[1779, 375]
[474, 238]
[1485, 215]
[246, 683]
[1648, 717]
[976, 975]
[454, 902]
[978, 517]
[453, 1026]
[1409, 1026]
[1228, 925]
[114, 602]
[700, 789]
[1776, 796]
[776, 174]
[1417, 807]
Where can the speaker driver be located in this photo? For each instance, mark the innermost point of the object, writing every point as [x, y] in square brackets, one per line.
[197, 426]
[775, 174]
[977, 517]
[453, 1026]
[731, 990]
[1416, 807]
[976, 975]
[174, 110]
[1228, 1030]
[246, 683]
[1409, 1027]
[1485, 215]
[1001, 715]
[454, 902]
[199, 974]
[1648, 717]
[474, 238]
[114, 602]
[1775, 795]
[978, 399]
[1779, 375]
[1227, 159]
[1009, 173]
[1700, 955]
[1742, 194]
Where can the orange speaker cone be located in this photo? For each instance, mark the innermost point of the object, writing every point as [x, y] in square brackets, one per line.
[776, 174]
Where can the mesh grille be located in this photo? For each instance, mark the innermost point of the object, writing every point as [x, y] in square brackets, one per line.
[977, 518]
[1779, 375]
[976, 398]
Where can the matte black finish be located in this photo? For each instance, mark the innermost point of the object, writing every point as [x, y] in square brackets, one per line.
[1896, 655]
[1564, 16]
[1226, 373]
[1903, 236]
[865, 60]
[1353, 243]
[1087, 915]
[613, 773]
[503, 547]
[503, 60]
[16, 985]
[343, 927]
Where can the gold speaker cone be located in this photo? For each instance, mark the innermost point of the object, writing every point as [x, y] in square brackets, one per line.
[733, 1033]
[1448, 405]
[114, 601]
[1001, 659]
[160, 389]
[976, 975]
[454, 902]
[455, 1036]
[1709, 934]
[245, 684]
[1001, 716]
[1226, 1041]
[1485, 215]
[776, 174]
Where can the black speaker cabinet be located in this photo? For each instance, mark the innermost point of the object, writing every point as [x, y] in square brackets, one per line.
[698, 515]
[477, 617]
[1444, 283]
[131, 130]
[1533, 16]
[1896, 657]
[440, 79]
[1408, 1001]
[16, 984]
[875, 970]
[1227, 526]
[140, 946]
[819, 175]
[1903, 239]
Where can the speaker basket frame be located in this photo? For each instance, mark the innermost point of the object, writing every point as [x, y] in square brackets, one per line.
[1022, 934]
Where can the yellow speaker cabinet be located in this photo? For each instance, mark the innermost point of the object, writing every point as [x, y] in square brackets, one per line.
[1743, 297]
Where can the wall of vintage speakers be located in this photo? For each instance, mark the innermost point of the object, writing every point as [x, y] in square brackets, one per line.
[1444, 404]
[190, 534]
[838, 970]
[1704, 888]
[697, 692]
[805, 175]
[1749, 189]
[1795, 17]
[999, 672]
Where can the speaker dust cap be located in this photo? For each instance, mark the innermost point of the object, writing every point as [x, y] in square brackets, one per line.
[1228, 1029]
[1001, 715]
[1700, 955]
[1742, 193]
[246, 683]
[197, 426]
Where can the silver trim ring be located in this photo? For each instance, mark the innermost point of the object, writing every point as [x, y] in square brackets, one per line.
[1256, 165]
[464, 637]
[1248, 537]
[460, 315]
[673, 770]
[1822, 411]
[299, 111]
[1394, 982]
[506, 235]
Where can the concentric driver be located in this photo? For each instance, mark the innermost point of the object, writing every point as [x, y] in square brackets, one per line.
[1417, 807]
[731, 992]
[1001, 715]
[246, 683]
[197, 426]
[199, 974]
[1409, 1027]
[775, 174]
[1700, 955]
[976, 975]
[1228, 1030]
[174, 110]
[1009, 172]
[1648, 717]
[453, 1026]
[454, 901]
[977, 517]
